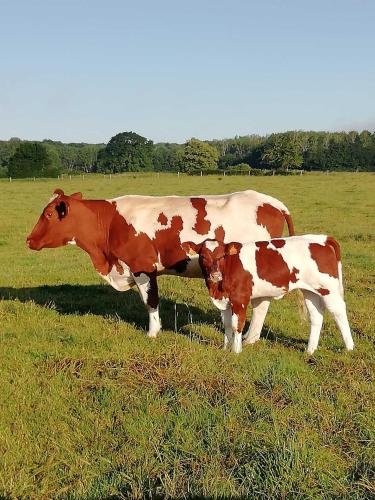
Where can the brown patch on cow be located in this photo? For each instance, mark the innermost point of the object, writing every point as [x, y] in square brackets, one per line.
[278, 243]
[272, 267]
[325, 258]
[191, 248]
[323, 291]
[219, 233]
[293, 275]
[201, 226]
[271, 218]
[262, 244]
[168, 243]
[119, 267]
[163, 219]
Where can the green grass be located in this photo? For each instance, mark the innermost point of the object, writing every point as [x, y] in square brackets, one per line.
[91, 408]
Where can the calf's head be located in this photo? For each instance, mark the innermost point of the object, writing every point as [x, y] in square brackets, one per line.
[211, 260]
[56, 225]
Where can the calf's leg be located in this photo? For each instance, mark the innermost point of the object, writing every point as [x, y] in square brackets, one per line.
[315, 307]
[238, 322]
[336, 306]
[148, 290]
[260, 307]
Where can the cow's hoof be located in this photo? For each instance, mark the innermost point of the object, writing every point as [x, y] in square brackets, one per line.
[152, 335]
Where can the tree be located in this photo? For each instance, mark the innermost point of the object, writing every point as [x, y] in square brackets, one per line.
[284, 151]
[33, 159]
[125, 152]
[198, 155]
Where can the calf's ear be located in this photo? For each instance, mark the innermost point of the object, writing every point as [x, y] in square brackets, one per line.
[232, 250]
[76, 196]
[58, 192]
[62, 209]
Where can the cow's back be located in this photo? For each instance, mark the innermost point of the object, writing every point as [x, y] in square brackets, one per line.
[241, 216]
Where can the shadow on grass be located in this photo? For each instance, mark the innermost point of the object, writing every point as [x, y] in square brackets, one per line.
[103, 301]
[276, 336]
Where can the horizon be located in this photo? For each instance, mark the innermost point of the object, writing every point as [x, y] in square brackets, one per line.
[22, 139]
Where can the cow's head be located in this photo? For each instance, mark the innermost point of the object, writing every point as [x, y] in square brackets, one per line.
[56, 226]
[211, 260]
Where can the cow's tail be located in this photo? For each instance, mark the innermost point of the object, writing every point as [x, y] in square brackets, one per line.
[289, 223]
[334, 244]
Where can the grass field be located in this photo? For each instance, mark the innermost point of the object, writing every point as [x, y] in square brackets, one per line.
[91, 408]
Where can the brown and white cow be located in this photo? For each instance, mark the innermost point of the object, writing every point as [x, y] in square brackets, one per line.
[237, 273]
[132, 239]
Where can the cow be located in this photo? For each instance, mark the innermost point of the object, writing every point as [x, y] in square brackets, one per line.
[133, 239]
[256, 272]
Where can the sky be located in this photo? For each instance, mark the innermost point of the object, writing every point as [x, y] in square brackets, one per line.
[171, 70]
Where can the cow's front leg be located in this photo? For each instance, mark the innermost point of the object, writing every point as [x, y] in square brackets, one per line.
[148, 290]
[226, 317]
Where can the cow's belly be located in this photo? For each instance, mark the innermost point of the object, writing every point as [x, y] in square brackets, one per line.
[120, 281]
[193, 270]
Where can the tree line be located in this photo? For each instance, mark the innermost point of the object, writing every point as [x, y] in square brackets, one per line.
[130, 152]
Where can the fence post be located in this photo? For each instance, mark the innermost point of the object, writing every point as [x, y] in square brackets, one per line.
[201, 173]
[10, 179]
[178, 174]
[110, 176]
[70, 177]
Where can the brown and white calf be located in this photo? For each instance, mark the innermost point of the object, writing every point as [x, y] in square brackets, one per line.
[133, 239]
[236, 274]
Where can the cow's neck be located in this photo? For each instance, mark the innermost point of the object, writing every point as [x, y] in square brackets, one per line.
[93, 226]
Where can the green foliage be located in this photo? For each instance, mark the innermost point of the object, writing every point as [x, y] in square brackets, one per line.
[283, 151]
[240, 167]
[166, 157]
[33, 159]
[126, 152]
[197, 156]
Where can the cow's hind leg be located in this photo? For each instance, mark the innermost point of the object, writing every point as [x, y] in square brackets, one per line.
[260, 307]
[315, 307]
[336, 306]
[148, 290]
[226, 317]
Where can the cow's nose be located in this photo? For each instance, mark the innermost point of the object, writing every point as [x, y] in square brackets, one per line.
[28, 242]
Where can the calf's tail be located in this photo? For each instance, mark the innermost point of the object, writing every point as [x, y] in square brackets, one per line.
[334, 244]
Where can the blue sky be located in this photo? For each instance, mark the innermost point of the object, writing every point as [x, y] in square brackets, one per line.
[171, 70]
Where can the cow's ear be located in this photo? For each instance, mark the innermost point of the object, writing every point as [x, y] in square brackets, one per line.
[58, 192]
[76, 196]
[62, 209]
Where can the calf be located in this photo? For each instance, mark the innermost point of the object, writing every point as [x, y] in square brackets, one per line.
[236, 274]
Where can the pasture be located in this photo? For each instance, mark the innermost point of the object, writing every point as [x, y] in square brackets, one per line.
[91, 408]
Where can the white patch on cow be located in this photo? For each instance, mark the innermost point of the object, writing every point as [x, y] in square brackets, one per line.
[71, 242]
[120, 282]
[216, 276]
[211, 245]
[221, 304]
